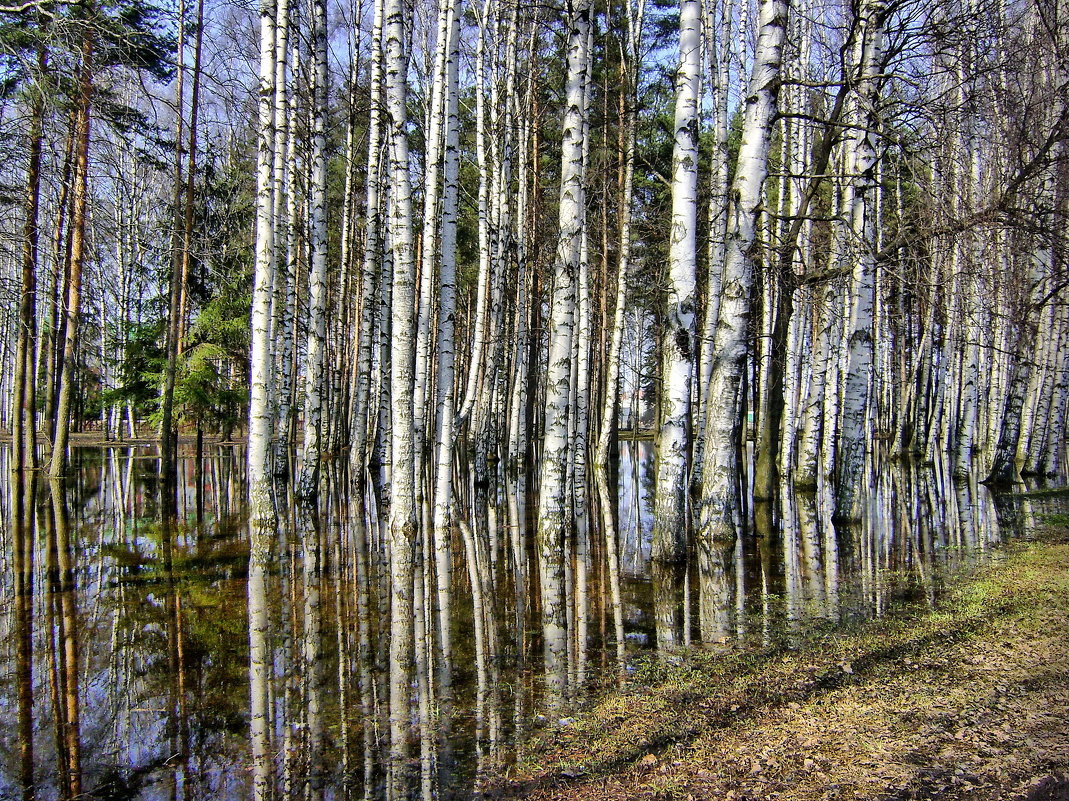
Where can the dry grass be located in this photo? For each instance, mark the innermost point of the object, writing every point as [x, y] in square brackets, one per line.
[966, 702]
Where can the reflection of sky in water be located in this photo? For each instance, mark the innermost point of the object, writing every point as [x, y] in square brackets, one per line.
[791, 568]
[635, 506]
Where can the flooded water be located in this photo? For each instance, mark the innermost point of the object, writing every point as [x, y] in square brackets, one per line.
[124, 643]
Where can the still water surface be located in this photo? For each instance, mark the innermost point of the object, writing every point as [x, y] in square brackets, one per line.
[124, 644]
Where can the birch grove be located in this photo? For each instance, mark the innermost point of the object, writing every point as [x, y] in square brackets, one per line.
[435, 263]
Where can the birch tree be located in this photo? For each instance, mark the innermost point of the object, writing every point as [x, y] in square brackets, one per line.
[553, 507]
[860, 212]
[720, 472]
[261, 501]
[679, 343]
[403, 516]
[317, 283]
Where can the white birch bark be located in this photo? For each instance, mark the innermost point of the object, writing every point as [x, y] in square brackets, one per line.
[581, 419]
[476, 367]
[281, 177]
[553, 508]
[720, 471]
[718, 202]
[317, 279]
[1050, 460]
[518, 434]
[261, 502]
[403, 519]
[445, 402]
[679, 342]
[288, 264]
[436, 118]
[371, 262]
[631, 67]
[860, 211]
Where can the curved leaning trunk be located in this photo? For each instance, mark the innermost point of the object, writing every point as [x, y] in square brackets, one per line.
[718, 504]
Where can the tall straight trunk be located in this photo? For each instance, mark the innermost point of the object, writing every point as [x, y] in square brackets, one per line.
[445, 401]
[289, 239]
[476, 368]
[553, 507]
[52, 341]
[403, 520]
[678, 344]
[518, 435]
[580, 420]
[24, 396]
[261, 500]
[168, 434]
[860, 210]
[372, 258]
[432, 209]
[629, 68]
[191, 178]
[721, 469]
[314, 384]
[79, 215]
[718, 217]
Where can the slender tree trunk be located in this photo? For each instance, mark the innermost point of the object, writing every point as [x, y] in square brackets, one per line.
[403, 518]
[679, 342]
[168, 433]
[79, 215]
[317, 282]
[262, 520]
[553, 507]
[24, 394]
[721, 472]
[860, 209]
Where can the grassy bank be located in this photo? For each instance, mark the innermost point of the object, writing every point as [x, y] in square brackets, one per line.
[969, 701]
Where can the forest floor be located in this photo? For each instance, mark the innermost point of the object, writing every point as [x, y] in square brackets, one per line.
[970, 701]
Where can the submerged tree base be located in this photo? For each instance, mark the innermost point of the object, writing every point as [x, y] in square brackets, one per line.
[964, 702]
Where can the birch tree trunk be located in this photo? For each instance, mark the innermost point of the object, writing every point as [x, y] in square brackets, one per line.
[678, 346]
[718, 218]
[721, 471]
[630, 69]
[261, 500]
[403, 518]
[432, 210]
[372, 258]
[860, 210]
[446, 357]
[317, 281]
[553, 508]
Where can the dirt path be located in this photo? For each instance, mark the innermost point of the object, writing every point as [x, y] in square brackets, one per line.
[968, 702]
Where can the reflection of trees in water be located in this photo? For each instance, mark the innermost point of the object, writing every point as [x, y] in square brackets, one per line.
[139, 671]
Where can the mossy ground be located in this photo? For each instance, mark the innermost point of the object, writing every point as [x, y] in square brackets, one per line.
[967, 701]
